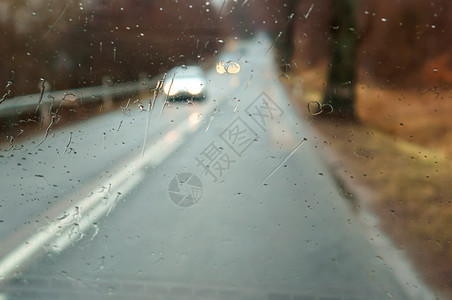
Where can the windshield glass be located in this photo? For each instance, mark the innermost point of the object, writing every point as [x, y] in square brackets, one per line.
[225, 149]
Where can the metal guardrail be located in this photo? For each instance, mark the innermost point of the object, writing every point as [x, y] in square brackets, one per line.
[27, 103]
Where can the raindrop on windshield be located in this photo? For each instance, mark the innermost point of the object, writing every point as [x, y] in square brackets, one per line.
[316, 108]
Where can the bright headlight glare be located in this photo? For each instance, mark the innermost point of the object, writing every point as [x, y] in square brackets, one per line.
[194, 89]
[167, 90]
[220, 68]
[232, 67]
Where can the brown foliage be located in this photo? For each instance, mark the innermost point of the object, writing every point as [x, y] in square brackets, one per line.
[73, 44]
[398, 40]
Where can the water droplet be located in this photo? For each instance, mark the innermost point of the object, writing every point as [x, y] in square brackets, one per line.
[327, 108]
[315, 108]
[435, 70]
[232, 67]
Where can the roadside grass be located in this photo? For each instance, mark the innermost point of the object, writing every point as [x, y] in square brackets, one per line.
[400, 154]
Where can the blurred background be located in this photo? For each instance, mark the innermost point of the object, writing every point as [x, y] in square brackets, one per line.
[384, 66]
[76, 43]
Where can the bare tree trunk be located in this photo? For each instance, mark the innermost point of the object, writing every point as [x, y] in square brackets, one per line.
[285, 38]
[340, 89]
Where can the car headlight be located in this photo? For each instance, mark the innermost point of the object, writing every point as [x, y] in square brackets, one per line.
[220, 67]
[172, 92]
[167, 90]
[229, 67]
[194, 89]
[232, 67]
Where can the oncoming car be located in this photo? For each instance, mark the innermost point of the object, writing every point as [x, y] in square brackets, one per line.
[185, 83]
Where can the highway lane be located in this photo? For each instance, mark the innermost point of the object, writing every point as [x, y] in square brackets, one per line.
[41, 168]
[59, 165]
[270, 222]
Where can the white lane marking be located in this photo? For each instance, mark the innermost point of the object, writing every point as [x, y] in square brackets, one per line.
[89, 209]
[77, 228]
[125, 180]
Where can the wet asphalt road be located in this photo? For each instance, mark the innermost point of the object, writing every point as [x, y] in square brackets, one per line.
[100, 210]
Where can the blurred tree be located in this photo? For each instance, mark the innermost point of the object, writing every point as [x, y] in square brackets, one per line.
[285, 38]
[340, 88]
[76, 43]
[275, 17]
